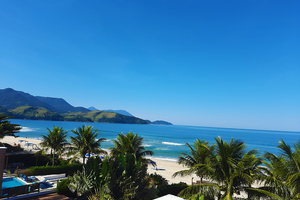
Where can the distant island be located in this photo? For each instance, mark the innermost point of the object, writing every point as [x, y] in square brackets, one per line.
[159, 122]
[26, 106]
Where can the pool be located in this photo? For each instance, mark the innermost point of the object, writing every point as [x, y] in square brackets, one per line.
[12, 182]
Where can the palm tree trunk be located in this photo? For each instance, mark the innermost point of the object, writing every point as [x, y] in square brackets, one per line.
[53, 159]
[201, 178]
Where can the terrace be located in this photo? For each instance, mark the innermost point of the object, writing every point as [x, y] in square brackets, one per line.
[12, 186]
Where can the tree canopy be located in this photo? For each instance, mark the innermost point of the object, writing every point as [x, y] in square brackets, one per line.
[86, 141]
[56, 140]
[6, 128]
[130, 144]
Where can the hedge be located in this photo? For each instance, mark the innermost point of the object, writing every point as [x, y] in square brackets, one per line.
[45, 170]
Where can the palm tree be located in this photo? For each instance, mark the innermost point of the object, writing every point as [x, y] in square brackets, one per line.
[230, 168]
[86, 141]
[199, 155]
[55, 140]
[281, 176]
[130, 144]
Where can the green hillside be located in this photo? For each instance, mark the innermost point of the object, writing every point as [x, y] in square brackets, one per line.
[31, 112]
[104, 117]
[22, 105]
[38, 113]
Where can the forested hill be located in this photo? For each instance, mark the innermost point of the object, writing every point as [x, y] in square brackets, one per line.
[25, 106]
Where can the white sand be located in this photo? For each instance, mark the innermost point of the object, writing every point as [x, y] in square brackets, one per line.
[168, 168]
[16, 140]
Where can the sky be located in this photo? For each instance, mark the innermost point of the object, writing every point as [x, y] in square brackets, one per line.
[212, 63]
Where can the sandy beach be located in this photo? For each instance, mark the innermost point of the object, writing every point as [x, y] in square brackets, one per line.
[22, 141]
[164, 168]
[167, 169]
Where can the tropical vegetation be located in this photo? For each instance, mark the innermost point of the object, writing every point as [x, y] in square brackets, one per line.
[130, 144]
[200, 155]
[85, 142]
[281, 173]
[55, 140]
[228, 167]
[123, 175]
[229, 170]
[6, 128]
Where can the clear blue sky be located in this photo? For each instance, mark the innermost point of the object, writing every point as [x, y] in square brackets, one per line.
[204, 63]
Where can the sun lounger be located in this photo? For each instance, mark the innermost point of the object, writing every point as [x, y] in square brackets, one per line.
[54, 177]
[32, 178]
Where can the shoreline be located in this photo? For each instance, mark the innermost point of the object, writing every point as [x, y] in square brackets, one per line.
[165, 167]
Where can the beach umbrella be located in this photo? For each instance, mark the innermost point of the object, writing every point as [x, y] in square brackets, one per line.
[88, 155]
[153, 162]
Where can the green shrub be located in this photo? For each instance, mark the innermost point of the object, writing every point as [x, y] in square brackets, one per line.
[170, 189]
[63, 189]
[158, 179]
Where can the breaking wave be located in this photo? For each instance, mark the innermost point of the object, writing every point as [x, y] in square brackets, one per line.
[162, 149]
[172, 143]
[26, 129]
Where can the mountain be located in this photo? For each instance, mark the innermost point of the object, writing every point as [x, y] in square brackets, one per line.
[25, 106]
[35, 113]
[4, 111]
[122, 112]
[104, 117]
[11, 99]
[61, 104]
[92, 108]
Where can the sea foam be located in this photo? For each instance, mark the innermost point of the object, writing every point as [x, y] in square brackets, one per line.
[162, 149]
[164, 159]
[26, 129]
[172, 143]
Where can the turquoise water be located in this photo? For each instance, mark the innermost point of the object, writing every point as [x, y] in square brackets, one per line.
[167, 142]
[11, 182]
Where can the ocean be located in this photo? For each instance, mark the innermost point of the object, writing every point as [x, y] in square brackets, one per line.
[167, 142]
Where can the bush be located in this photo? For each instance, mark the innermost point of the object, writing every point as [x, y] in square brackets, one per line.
[44, 170]
[63, 189]
[171, 189]
[157, 179]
